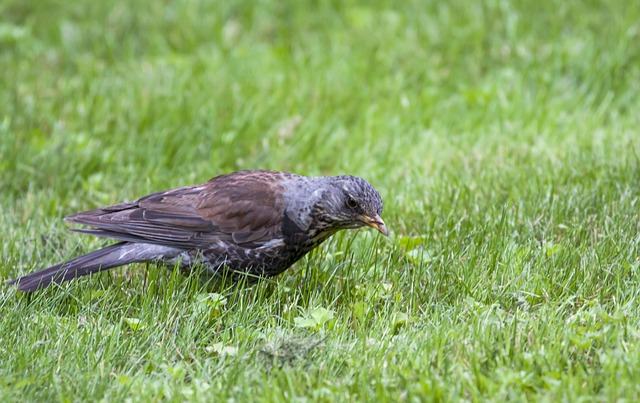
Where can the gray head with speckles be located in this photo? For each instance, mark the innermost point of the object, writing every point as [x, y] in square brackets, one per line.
[349, 202]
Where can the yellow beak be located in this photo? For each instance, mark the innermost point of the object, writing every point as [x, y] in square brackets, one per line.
[376, 222]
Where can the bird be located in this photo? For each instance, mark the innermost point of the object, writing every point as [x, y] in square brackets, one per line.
[253, 223]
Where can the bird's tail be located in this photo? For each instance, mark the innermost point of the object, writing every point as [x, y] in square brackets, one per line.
[103, 259]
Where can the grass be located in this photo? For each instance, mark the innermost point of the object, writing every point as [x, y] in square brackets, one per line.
[503, 137]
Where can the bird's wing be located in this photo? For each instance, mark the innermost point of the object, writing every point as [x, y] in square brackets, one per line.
[244, 208]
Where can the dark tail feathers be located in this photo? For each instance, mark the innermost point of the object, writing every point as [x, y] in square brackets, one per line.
[104, 259]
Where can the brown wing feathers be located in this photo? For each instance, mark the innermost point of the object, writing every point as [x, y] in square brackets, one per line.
[247, 214]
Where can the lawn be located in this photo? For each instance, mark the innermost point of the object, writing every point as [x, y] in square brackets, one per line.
[504, 137]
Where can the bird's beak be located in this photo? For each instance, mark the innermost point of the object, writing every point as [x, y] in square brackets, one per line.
[375, 222]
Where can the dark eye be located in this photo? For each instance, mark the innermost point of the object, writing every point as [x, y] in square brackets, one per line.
[351, 202]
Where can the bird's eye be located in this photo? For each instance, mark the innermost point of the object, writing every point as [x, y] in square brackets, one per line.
[351, 202]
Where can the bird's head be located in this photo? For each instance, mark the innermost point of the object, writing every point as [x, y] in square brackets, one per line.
[351, 202]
